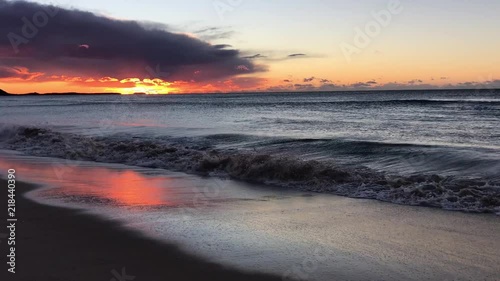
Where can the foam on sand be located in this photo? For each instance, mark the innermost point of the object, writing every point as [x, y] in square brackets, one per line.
[451, 192]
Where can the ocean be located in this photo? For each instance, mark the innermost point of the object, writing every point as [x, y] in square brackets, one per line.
[424, 148]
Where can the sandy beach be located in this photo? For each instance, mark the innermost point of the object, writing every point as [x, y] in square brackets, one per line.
[62, 244]
[109, 218]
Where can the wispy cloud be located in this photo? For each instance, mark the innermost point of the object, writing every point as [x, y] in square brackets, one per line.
[257, 56]
[296, 55]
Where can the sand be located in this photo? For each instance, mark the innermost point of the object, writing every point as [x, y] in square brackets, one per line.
[238, 225]
[62, 244]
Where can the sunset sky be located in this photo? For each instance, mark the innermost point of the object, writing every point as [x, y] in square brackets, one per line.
[167, 46]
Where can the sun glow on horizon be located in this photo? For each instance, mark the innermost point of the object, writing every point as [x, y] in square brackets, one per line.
[145, 86]
[151, 90]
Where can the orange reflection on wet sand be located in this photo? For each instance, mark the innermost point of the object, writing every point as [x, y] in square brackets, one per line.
[125, 188]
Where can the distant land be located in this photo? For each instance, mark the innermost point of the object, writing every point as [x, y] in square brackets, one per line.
[4, 93]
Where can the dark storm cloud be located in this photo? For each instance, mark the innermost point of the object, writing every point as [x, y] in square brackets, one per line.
[50, 40]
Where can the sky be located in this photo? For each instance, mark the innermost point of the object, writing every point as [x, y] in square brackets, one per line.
[175, 46]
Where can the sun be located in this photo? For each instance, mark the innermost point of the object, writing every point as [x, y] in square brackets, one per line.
[147, 86]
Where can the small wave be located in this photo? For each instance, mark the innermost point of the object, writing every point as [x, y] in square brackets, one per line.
[453, 193]
[484, 102]
[467, 100]
[164, 101]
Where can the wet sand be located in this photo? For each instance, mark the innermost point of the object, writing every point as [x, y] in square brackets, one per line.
[62, 244]
[246, 227]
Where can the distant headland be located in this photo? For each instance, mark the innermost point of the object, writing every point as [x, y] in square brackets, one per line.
[4, 93]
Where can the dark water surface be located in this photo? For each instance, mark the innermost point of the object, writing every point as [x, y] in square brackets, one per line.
[437, 148]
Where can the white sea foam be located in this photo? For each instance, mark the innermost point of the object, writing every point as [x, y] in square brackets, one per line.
[452, 193]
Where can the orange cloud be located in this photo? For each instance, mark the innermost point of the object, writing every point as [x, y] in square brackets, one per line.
[17, 73]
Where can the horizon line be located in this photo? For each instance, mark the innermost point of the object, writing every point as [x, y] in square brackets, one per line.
[243, 92]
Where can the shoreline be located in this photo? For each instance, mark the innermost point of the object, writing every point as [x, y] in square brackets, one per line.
[55, 243]
[248, 228]
[470, 192]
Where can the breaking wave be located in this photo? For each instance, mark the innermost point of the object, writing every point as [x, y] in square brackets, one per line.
[447, 192]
